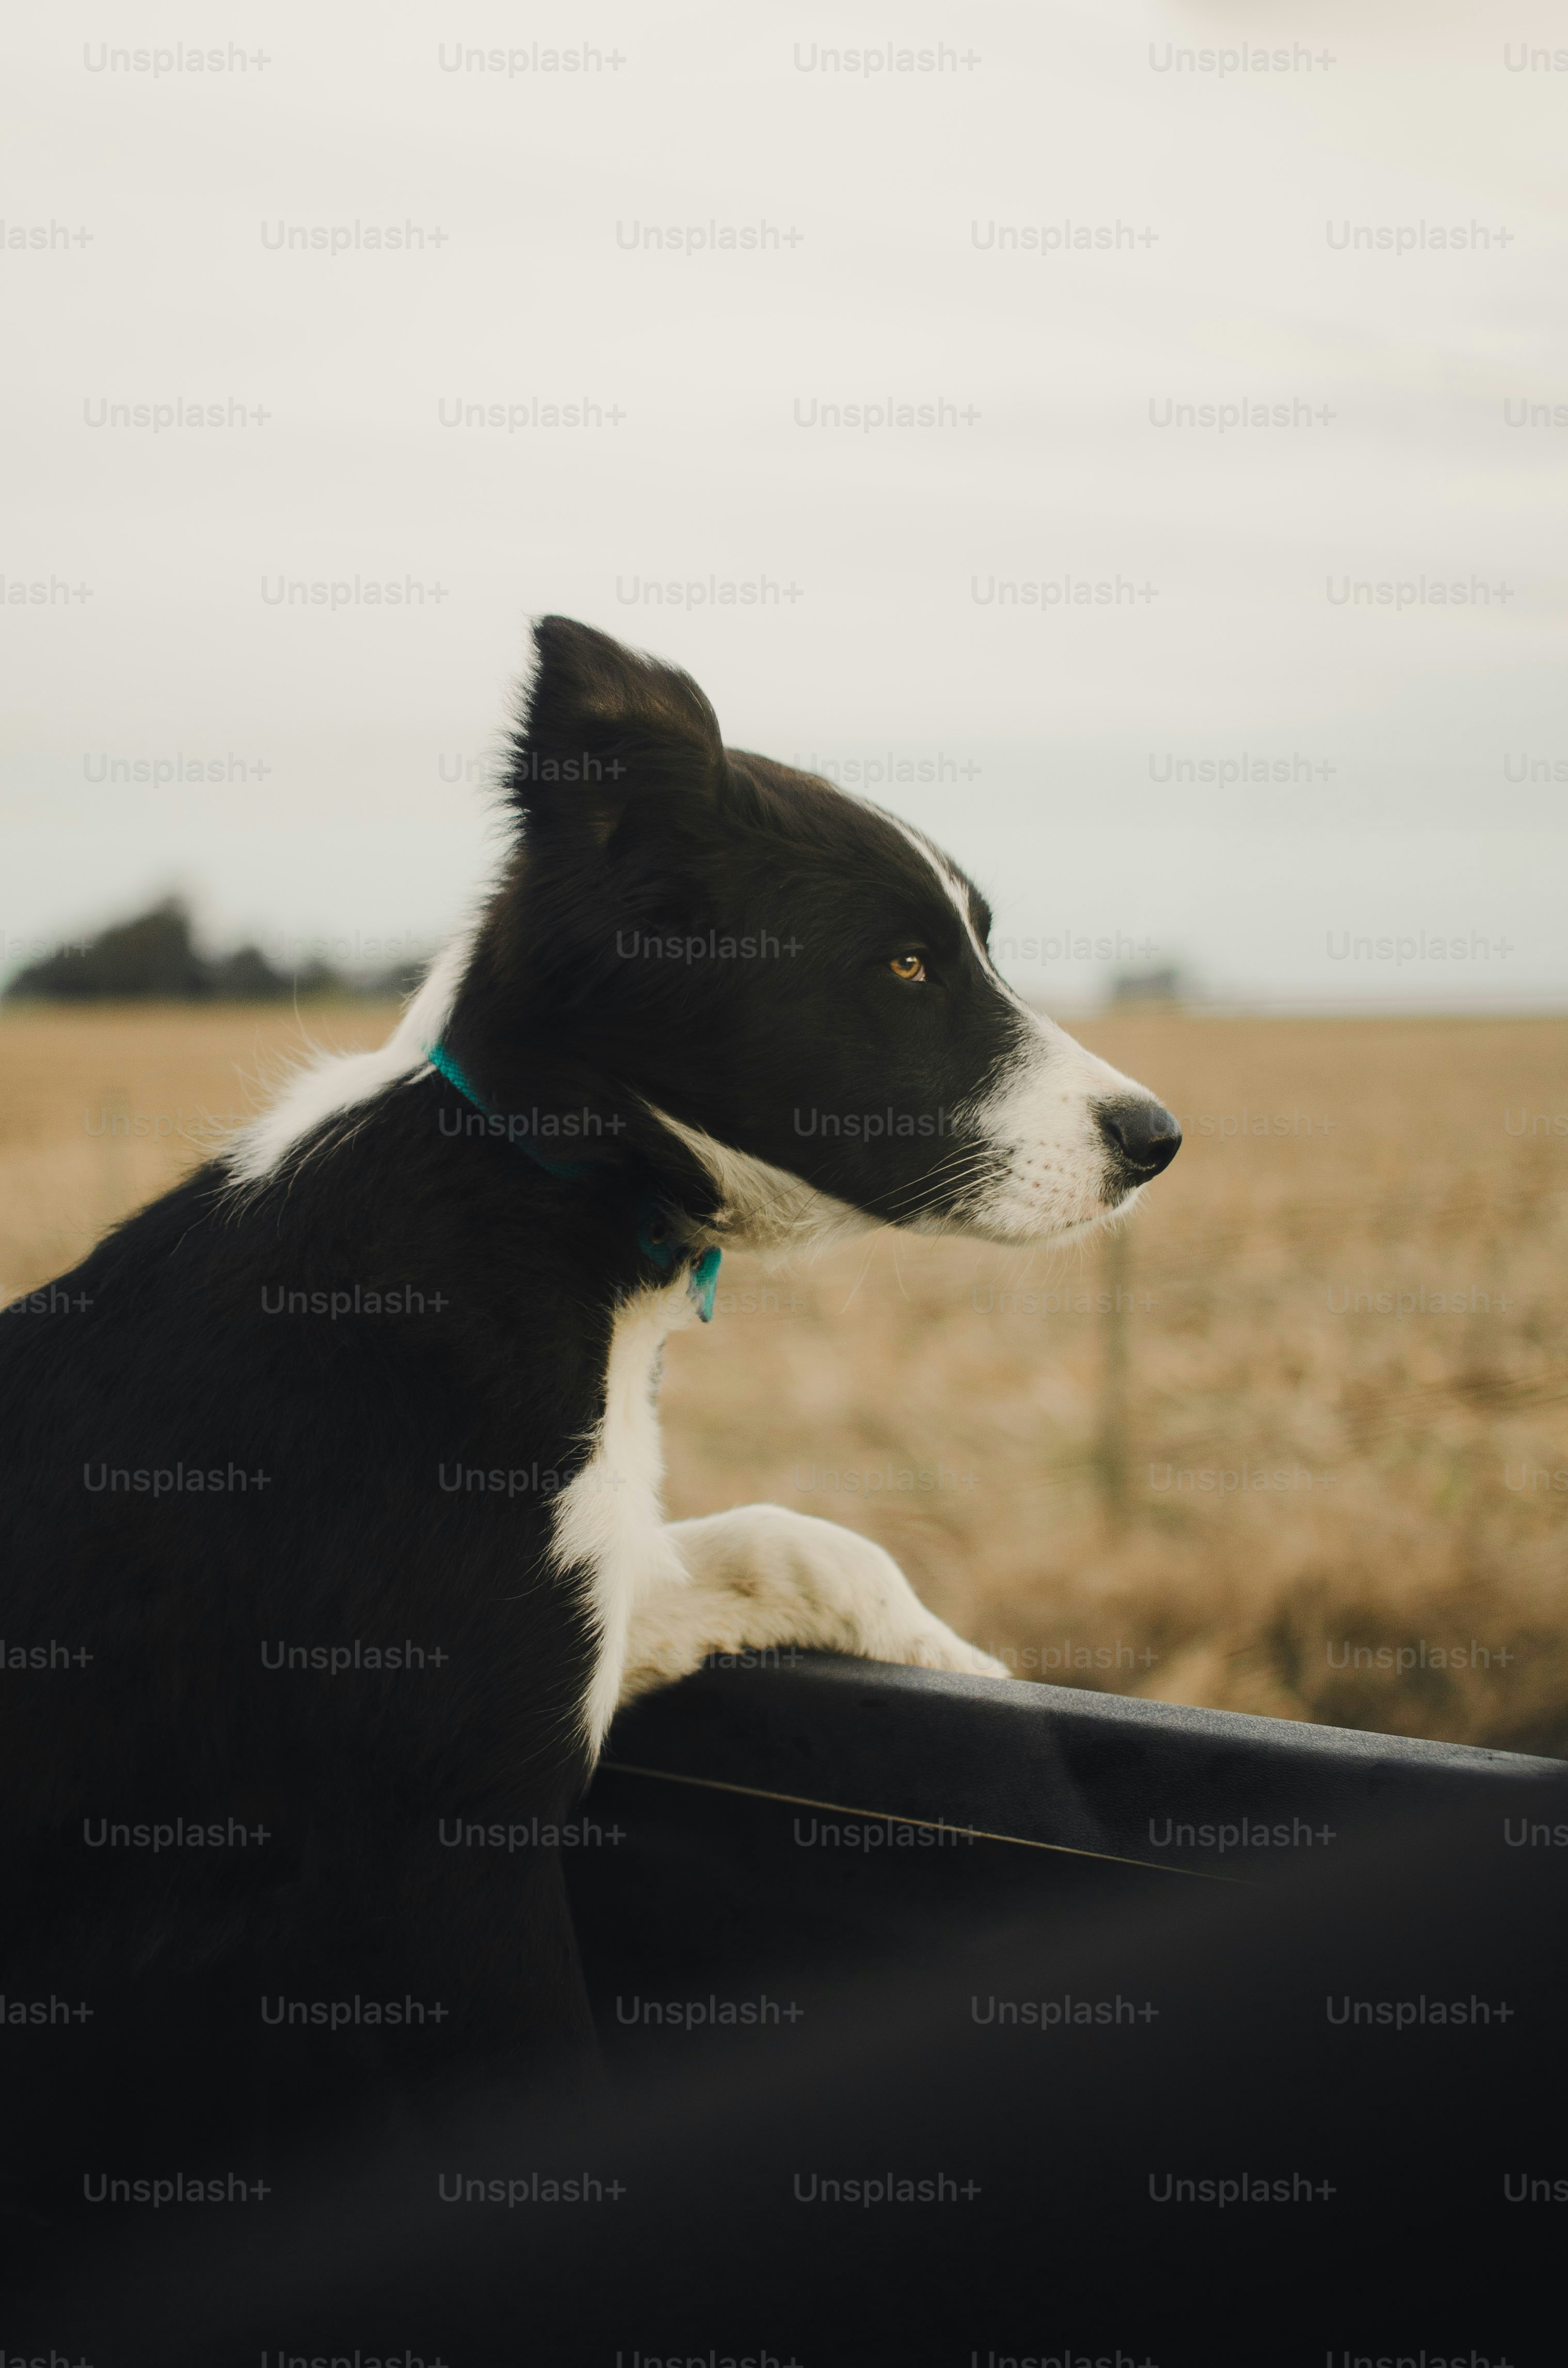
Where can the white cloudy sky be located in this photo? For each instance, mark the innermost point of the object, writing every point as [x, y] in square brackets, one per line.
[1061, 728]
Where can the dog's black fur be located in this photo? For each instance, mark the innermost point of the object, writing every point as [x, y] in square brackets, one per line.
[633, 824]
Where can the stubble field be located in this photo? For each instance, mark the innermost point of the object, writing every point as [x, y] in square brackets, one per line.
[1295, 1440]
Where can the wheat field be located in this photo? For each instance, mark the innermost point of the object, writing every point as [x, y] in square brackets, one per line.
[1293, 1441]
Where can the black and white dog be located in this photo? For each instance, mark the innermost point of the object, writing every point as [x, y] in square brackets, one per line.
[332, 1497]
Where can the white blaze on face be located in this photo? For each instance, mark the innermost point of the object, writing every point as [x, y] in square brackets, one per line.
[1049, 1165]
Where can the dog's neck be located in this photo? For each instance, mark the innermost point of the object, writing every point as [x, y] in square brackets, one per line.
[661, 1235]
[760, 1207]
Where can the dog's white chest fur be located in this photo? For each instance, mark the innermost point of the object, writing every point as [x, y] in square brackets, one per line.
[610, 1519]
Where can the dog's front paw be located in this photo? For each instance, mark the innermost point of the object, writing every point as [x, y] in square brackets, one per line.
[792, 1578]
[938, 1647]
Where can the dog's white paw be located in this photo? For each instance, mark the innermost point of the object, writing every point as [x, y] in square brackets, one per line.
[945, 1650]
[797, 1579]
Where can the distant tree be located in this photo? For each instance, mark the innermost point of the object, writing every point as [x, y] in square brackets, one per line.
[246, 976]
[1165, 986]
[154, 959]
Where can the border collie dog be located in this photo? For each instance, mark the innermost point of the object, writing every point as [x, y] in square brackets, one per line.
[322, 1603]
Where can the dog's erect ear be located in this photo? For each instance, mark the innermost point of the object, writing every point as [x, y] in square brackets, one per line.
[604, 725]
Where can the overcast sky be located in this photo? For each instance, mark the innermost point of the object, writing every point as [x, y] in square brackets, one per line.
[903, 237]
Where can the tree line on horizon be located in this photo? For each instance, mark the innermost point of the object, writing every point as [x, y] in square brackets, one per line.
[154, 957]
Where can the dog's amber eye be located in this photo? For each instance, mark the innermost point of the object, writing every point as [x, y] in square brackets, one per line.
[908, 966]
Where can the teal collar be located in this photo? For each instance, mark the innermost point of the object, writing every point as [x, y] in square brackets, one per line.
[440, 1058]
[653, 1224]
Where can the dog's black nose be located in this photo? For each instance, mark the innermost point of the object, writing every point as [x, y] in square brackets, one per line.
[1144, 1135]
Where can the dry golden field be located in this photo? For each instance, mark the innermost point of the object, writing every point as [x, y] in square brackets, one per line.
[1234, 1489]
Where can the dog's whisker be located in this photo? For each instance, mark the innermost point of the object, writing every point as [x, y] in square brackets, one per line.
[940, 1183]
[971, 1156]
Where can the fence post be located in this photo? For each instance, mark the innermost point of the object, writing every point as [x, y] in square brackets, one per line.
[1112, 1453]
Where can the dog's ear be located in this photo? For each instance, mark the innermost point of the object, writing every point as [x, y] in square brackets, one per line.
[604, 725]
